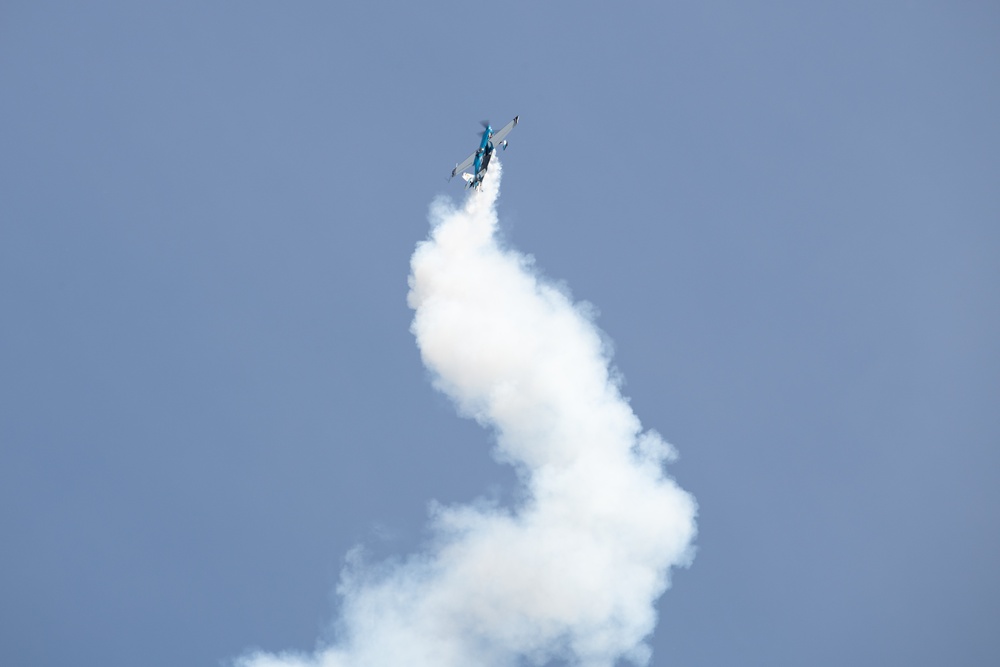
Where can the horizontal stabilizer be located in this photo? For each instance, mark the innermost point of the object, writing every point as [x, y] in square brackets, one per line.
[467, 177]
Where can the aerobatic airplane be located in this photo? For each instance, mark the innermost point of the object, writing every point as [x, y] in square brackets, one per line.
[480, 160]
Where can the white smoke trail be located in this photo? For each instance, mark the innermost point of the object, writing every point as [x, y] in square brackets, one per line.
[573, 572]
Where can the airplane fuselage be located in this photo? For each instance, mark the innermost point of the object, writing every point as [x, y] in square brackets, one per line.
[484, 154]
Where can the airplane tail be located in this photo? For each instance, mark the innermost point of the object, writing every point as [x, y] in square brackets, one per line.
[469, 179]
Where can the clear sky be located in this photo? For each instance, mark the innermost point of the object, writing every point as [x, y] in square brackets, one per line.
[786, 214]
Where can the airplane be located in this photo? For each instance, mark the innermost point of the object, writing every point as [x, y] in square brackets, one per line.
[480, 160]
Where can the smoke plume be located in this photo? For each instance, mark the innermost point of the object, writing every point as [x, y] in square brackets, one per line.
[572, 571]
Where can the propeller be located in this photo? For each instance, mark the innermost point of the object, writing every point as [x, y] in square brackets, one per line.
[484, 123]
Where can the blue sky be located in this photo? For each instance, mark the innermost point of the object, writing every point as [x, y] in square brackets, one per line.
[786, 215]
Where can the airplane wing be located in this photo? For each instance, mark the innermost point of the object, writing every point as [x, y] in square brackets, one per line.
[464, 164]
[503, 131]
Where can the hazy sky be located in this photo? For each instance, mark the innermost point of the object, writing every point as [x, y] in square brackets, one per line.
[787, 216]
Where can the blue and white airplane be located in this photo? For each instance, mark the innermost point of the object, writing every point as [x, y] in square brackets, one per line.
[480, 160]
